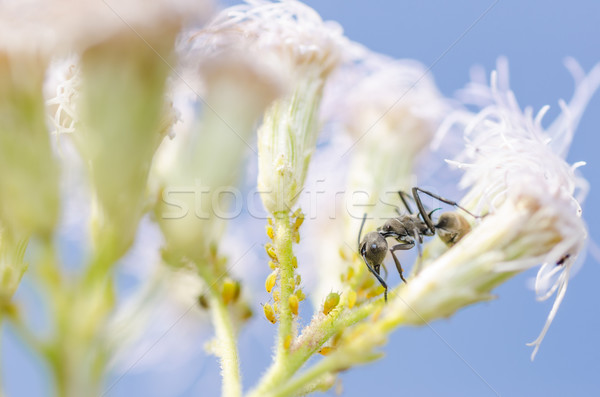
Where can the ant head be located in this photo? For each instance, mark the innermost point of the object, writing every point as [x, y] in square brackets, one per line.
[374, 247]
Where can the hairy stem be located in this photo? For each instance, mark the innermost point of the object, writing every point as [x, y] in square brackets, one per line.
[312, 338]
[295, 385]
[285, 256]
[227, 348]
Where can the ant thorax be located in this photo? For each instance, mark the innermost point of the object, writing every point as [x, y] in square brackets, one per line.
[404, 228]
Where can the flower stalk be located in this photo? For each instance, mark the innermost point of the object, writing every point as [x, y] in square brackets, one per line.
[28, 169]
[226, 348]
[120, 105]
[312, 338]
[285, 255]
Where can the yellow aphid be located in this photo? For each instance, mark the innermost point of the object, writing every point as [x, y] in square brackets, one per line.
[296, 236]
[300, 295]
[295, 262]
[342, 253]
[299, 220]
[270, 282]
[351, 299]
[298, 279]
[203, 301]
[276, 296]
[269, 313]
[294, 304]
[376, 314]
[368, 283]
[331, 302]
[270, 232]
[230, 291]
[287, 342]
[325, 350]
[212, 249]
[361, 293]
[246, 313]
[273, 265]
[276, 306]
[270, 221]
[271, 251]
[237, 291]
[375, 292]
[350, 273]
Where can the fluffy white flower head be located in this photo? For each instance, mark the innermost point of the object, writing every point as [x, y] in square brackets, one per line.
[281, 32]
[292, 42]
[391, 108]
[61, 26]
[512, 162]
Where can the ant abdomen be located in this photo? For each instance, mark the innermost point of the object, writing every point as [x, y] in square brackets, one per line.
[452, 227]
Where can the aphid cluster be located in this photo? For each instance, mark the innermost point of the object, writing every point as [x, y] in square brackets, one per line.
[297, 296]
[408, 230]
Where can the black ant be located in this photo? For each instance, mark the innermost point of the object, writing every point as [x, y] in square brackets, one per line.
[408, 230]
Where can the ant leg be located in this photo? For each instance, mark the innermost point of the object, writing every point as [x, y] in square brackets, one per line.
[418, 240]
[443, 200]
[422, 211]
[403, 196]
[385, 270]
[403, 246]
[383, 284]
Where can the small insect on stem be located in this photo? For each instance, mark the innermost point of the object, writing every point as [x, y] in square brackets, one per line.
[373, 250]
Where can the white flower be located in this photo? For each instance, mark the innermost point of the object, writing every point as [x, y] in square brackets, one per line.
[208, 149]
[53, 27]
[288, 33]
[512, 162]
[28, 170]
[390, 109]
[295, 44]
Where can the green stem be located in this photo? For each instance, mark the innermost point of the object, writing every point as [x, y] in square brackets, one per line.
[227, 348]
[284, 364]
[294, 386]
[285, 256]
[330, 326]
[312, 338]
[307, 380]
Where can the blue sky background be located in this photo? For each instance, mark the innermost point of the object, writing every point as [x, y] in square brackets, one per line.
[481, 350]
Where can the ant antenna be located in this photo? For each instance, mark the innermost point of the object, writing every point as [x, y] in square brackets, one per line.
[426, 217]
[361, 228]
[403, 196]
